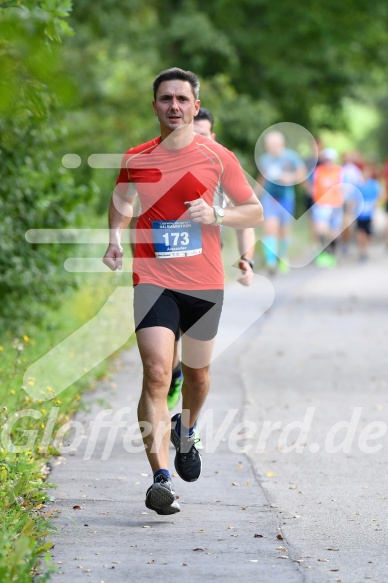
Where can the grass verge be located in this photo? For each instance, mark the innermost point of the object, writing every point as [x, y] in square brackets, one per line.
[29, 420]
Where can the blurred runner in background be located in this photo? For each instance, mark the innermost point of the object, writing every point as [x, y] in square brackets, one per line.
[370, 190]
[352, 164]
[280, 169]
[328, 208]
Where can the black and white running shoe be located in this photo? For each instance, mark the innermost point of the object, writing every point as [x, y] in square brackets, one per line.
[188, 462]
[161, 496]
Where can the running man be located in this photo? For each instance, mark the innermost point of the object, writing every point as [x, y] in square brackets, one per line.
[280, 169]
[177, 269]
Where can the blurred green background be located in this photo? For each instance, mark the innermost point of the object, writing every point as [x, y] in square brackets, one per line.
[76, 78]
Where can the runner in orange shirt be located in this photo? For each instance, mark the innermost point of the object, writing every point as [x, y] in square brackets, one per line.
[177, 269]
[328, 209]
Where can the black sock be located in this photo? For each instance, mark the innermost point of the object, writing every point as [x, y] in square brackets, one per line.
[323, 241]
[177, 371]
[332, 246]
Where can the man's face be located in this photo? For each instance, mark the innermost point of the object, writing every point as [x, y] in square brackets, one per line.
[274, 143]
[175, 104]
[204, 128]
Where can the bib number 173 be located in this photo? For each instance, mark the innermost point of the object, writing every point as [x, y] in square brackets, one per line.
[175, 239]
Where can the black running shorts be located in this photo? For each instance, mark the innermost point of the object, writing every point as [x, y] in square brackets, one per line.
[365, 225]
[195, 312]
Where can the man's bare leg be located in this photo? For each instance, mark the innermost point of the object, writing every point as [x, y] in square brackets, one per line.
[156, 347]
[196, 357]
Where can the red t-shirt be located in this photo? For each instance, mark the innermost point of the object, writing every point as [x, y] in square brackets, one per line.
[165, 179]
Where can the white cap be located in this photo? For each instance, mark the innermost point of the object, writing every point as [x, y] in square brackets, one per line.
[330, 154]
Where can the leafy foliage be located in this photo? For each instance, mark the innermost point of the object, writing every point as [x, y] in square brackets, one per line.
[35, 191]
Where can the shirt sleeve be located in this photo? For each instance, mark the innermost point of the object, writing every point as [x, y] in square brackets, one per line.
[124, 177]
[233, 179]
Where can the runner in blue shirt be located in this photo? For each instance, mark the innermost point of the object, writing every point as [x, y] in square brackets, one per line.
[280, 169]
[370, 190]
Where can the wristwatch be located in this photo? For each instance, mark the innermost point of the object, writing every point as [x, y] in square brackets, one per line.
[219, 214]
[250, 261]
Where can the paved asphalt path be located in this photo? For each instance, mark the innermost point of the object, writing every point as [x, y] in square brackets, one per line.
[289, 491]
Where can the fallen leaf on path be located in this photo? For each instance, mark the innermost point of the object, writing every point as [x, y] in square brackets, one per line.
[244, 507]
[270, 474]
[235, 484]
[280, 537]
[146, 526]
[201, 531]
[77, 507]
[230, 527]
[283, 557]
[281, 549]
[198, 549]
[331, 549]
[258, 536]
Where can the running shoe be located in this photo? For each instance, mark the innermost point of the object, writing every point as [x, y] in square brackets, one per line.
[187, 462]
[325, 260]
[161, 496]
[283, 266]
[174, 392]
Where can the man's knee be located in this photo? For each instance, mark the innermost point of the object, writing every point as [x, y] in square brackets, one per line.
[156, 376]
[196, 379]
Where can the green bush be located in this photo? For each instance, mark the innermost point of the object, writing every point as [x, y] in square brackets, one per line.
[35, 190]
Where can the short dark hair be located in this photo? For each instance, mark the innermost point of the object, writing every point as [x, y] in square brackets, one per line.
[176, 73]
[205, 114]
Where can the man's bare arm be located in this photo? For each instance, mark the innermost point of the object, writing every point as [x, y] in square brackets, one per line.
[120, 214]
[240, 216]
[246, 241]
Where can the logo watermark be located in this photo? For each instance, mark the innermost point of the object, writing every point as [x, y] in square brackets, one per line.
[110, 429]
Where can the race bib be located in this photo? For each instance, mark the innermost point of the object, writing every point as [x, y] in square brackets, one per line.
[176, 239]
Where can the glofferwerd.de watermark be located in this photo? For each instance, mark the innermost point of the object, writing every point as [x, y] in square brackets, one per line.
[110, 429]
